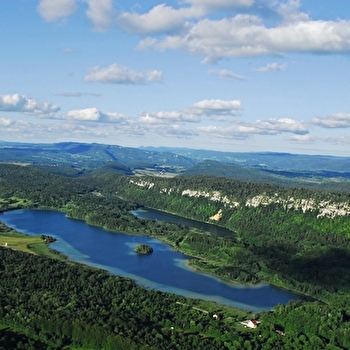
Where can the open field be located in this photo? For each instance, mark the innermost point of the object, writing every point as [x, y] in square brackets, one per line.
[28, 244]
[20, 242]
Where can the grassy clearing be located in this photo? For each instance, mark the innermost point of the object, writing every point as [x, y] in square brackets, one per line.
[28, 244]
[20, 242]
[14, 203]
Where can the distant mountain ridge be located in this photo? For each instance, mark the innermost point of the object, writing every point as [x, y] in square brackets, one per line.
[90, 156]
[77, 159]
[266, 160]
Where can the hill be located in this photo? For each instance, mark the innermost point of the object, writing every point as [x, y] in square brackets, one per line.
[73, 159]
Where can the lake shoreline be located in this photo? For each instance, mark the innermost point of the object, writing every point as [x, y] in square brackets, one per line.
[84, 259]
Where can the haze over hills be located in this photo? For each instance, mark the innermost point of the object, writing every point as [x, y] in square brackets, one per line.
[265, 160]
[75, 159]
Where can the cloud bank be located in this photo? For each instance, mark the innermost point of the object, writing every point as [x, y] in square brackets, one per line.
[20, 103]
[118, 74]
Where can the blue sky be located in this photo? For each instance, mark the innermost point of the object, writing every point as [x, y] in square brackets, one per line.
[231, 75]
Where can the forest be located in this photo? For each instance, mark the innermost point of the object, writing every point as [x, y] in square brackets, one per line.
[287, 247]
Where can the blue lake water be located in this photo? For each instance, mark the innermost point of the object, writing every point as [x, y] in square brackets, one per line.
[165, 269]
[153, 214]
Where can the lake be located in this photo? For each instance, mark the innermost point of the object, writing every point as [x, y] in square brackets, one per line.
[153, 214]
[164, 269]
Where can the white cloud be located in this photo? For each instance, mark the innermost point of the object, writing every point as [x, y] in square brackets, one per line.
[233, 132]
[160, 18]
[338, 140]
[272, 67]
[52, 10]
[281, 125]
[117, 74]
[87, 114]
[216, 107]
[5, 122]
[93, 114]
[301, 138]
[260, 127]
[115, 117]
[100, 13]
[290, 11]
[192, 114]
[13, 102]
[20, 103]
[224, 73]
[338, 120]
[246, 35]
[210, 5]
[167, 117]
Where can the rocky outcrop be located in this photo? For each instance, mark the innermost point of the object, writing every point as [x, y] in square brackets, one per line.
[324, 208]
[217, 216]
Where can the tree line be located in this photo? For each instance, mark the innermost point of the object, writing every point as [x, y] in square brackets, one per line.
[289, 248]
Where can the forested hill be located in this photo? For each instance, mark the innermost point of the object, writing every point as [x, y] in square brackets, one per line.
[79, 159]
[265, 160]
[83, 156]
[202, 196]
[295, 238]
[289, 231]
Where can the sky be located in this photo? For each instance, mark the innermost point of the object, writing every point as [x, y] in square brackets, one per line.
[226, 75]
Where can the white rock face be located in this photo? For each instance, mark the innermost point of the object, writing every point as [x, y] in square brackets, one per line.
[325, 208]
[332, 210]
[142, 183]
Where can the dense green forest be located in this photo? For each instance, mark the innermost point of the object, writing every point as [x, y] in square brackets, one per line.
[275, 241]
[285, 246]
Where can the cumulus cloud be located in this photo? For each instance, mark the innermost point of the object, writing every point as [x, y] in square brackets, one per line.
[260, 127]
[160, 18]
[192, 114]
[281, 125]
[87, 114]
[20, 103]
[224, 73]
[289, 11]
[233, 132]
[272, 67]
[99, 12]
[52, 10]
[246, 35]
[338, 120]
[301, 138]
[94, 115]
[115, 117]
[216, 107]
[166, 117]
[118, 74]
[190, 27]
[5, 122]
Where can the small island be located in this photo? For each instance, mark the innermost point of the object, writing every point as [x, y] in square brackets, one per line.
[48, 239]
[143, 249]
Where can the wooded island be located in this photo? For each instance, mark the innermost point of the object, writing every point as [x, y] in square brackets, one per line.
[143, 249]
